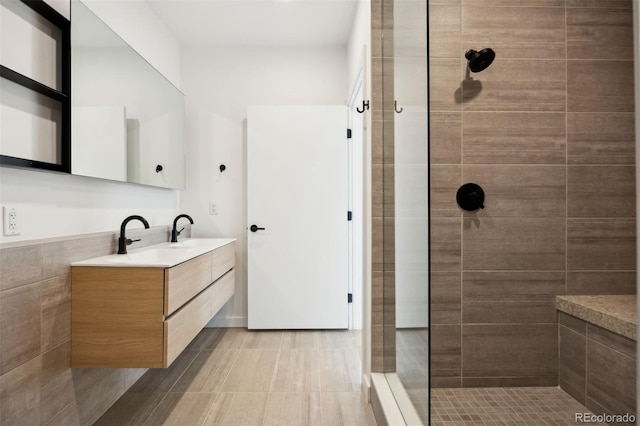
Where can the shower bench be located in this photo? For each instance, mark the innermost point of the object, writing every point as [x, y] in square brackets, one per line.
[597, 351]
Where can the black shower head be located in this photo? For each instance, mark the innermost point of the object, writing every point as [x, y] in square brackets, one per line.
[479, 61]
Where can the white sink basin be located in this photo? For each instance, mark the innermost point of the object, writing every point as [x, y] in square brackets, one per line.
[163, 255]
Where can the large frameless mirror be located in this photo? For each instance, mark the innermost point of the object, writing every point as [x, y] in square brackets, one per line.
[127, 119]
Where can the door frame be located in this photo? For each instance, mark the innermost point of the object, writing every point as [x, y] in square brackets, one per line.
[356, 204]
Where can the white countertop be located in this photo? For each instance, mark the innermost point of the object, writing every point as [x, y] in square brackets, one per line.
[163, 255]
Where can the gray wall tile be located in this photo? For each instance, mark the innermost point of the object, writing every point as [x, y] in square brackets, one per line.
[20, 266]
[19, 326]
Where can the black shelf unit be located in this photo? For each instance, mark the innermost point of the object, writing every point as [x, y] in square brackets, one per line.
[63, 96]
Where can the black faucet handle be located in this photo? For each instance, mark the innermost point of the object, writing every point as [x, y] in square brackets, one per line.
[129, 241]
[180, 231]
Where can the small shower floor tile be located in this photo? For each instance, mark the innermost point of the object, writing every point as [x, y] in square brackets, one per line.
[533, 406]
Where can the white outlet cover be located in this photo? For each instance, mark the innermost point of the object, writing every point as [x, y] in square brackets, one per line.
[10, 220]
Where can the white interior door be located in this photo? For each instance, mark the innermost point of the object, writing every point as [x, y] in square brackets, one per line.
[297, 190]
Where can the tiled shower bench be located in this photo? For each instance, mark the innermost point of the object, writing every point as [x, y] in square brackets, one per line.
[597, 351]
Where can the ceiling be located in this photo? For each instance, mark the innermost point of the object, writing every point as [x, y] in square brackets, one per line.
[258, 22]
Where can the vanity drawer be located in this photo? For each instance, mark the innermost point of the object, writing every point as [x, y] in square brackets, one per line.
[222, 260]
[186, 323]
[185, 280]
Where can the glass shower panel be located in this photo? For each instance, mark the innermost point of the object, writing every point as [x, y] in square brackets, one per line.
[411, 200]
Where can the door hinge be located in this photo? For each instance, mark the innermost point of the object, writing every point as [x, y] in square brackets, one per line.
[349, 297]
[348, 133]
[349, 215]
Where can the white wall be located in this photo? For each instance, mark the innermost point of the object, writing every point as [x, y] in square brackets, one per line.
[53, 204]
[141, 28]
[219, 84]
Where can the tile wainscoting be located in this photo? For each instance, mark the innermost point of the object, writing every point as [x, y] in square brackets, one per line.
[37, 385]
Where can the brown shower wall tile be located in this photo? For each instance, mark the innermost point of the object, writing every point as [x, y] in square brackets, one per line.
[446, 291]
[514, 138]
[572, 349]
[599, 34]
[601, 282]
[444, 31]
[613, 388]
[445, 77]
[515, 32]
[601, 138]
[445, 351]
[600, 86]
[513, 244]
[517, 85]
[510, 297]
[572, 323]
[445, 181]
[519, 191]
[511, 3]
[601, 191]
[495, 351]
[446, 244]
[619, 4]
[445, 142]
[506, 382]
[601, 244]
[614, 341]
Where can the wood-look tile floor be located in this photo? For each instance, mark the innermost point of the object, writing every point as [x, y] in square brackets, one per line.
[233, 376]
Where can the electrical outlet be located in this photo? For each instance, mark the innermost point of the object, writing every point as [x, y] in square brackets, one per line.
[10, 220]
[213, 208]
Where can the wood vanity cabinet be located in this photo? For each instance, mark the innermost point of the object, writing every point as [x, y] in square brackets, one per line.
[144, 317]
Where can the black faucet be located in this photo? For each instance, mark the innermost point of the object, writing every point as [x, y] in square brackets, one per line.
[175, 232]
[123, 241]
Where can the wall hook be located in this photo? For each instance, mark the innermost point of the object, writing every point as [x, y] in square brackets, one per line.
[395, 106]
[365, 107]
[159, 168]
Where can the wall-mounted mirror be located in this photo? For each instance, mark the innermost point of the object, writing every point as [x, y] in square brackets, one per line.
[127, 120]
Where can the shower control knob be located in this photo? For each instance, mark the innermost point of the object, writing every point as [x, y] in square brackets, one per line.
[470, 197]
[254, 228]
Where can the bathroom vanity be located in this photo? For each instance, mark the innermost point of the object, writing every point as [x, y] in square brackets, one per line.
[142, 309]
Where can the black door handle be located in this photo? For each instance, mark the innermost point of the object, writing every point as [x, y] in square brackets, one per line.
[255, 228]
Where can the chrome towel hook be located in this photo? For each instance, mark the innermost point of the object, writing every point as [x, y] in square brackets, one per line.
[365, 107]
[395, 106]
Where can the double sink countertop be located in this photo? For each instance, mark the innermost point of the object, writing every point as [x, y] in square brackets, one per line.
[163, 255]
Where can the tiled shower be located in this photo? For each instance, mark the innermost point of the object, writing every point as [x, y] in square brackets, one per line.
[548, 132]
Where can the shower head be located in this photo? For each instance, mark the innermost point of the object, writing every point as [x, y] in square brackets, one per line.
[479, 61]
